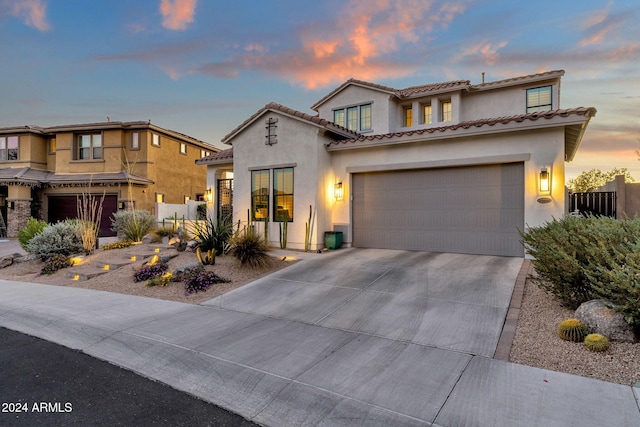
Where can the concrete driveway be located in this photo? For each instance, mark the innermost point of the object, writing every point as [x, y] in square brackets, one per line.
[448, 301]
[354, 337]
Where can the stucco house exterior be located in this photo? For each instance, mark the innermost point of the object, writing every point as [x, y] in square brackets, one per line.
[444, 167]
[134, 164]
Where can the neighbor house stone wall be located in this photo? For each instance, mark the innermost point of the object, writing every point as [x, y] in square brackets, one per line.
[17, 217]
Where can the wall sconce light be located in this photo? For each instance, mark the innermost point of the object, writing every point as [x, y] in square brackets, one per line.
[11, 204]
[208, 195]
[544, 186]
[120, 205]
[337, 191]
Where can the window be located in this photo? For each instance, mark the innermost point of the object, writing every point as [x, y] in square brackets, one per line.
[159, 198]
[352, 118]
[89, 147]
[283, 194]
[9, 148]
[260, 194]
[183, 148]
[446, 111]
[427, 115]
[338, 117]
[155, 139]
[365, 117]
[408, 116]
[356, 118]
[204, 153]
[135, 141]
[52, 145]
[539, 99]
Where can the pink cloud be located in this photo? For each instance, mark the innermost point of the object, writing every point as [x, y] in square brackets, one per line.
[485, 51]
[32, 12]
[598, 26]
[177, 14]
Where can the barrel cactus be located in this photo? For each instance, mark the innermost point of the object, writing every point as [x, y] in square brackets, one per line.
[572, 330]
[596, 342]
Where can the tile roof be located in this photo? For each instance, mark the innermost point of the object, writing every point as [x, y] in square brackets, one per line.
[517, 80]
[433, 87]
[272, 106]
[581, 111]
[41, 178]
[223, 156]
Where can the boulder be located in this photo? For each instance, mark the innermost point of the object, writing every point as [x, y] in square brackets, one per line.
[6, 261]
[601, 318]
[148, 238]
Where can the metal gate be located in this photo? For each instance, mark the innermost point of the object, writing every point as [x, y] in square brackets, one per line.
[602, 203]
[225, 198]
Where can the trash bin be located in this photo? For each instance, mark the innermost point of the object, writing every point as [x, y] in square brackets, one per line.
[332, 239]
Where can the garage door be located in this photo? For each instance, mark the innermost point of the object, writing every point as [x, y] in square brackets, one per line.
[63, 207]
[475, 210]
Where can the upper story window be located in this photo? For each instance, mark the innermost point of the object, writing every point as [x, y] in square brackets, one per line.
[365, 117]
[52, 146]
[9, 148]
[155, 139]
[539, 99]
[427, 115]
[356, 118]
[408, 116]
[183, 148]
[88, 147]
[204, 153]
[135, 141]
[446, 111]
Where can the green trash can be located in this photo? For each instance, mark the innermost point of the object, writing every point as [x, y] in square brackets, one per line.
[332, 239]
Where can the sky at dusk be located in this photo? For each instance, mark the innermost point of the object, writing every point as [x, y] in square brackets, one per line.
[201, 67]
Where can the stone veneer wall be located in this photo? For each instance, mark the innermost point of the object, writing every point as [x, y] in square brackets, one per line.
[17, 217]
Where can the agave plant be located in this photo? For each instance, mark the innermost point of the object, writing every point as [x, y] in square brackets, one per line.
[213, 234]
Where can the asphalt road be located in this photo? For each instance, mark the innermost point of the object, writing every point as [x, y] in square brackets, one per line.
[46, 384]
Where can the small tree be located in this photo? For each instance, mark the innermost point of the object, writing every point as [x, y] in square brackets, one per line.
[595, 178]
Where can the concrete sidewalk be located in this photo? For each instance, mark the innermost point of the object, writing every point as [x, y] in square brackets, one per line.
[348, 338]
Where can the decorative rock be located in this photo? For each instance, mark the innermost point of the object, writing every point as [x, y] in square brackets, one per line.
[601, 318]
[148, 238]
[6, 261]
[180, 271]
[165, 240]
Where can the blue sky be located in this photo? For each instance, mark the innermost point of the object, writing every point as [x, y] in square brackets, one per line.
[201, 67]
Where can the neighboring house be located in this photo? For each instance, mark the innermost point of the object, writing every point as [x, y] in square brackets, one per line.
[134, 164]
[445, 167]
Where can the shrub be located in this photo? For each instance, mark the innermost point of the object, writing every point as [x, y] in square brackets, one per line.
[568, 253]
[617, 279]
[132, 225]
[250, 249]
[596, 342]
[120, 244]
[161, 280]
[32, 228]
[199, 280]
[63, 238]
[150, 271]
[213, 235]
[55, 262]
[572, 330]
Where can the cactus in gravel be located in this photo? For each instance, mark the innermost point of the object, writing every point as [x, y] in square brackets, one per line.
[283, 231]
[572, 330]
[208, 258]
[596, 342]
[307, 231]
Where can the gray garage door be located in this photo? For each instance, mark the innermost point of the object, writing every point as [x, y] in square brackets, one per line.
[475, 210]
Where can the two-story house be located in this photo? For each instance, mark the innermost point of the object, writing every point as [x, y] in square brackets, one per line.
[133, 164]
[445, 167]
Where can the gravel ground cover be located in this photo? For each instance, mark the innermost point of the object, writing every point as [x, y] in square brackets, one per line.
[536, 343]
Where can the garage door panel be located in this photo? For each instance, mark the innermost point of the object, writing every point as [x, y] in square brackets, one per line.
[467, 210]
[66, 207]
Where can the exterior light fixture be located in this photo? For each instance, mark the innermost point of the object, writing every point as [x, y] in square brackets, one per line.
[11, 204]
[120, 205]
[544, 186]
[337, 191]
[208, 195]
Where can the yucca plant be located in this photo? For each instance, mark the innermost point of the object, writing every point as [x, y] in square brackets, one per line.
[250, 248]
